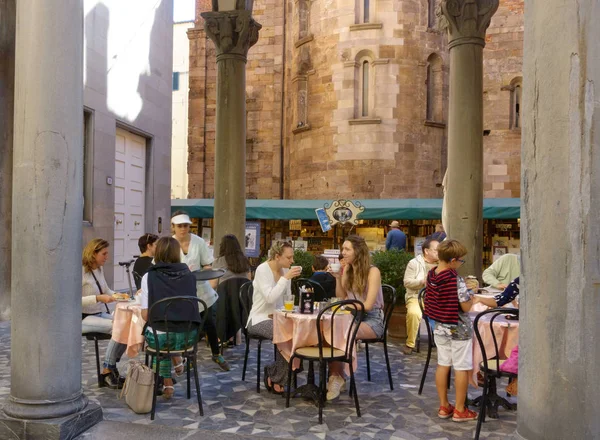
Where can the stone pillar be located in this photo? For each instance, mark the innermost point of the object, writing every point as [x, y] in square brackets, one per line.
[560, 233]
[466, 22]
[46, 398]
[233, 33]
[7, 93]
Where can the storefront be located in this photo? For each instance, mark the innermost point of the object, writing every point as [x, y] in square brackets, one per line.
[296, 220]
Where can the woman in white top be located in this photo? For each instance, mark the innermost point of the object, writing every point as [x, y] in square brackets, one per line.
[272, 281]
[195, 253]
[96, 316]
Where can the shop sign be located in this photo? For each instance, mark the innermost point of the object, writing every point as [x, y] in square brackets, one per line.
[504, 226]
[343, 211]
[295, 225]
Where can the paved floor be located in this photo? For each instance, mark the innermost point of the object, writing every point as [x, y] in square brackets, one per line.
[233, 406]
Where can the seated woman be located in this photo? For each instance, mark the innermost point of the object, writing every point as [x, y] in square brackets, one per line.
[361, 281]
[272, 281]
[147, 245]
[168, 278]
[232, 259]
[96, 316]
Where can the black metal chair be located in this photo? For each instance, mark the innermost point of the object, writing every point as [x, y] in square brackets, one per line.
[319, 293]
[192, 334]
[246, 292]
[389, 296]
[490, 366]
[325, 354]
[430, 343]
[229, 320]
[94, 336]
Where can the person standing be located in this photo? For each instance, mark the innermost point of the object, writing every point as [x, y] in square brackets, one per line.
[396, 239]
[195, 253]
[415, 278]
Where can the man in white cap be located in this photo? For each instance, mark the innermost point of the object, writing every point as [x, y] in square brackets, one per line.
[396, 239]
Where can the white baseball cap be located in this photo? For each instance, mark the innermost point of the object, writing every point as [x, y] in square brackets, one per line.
[181, 219]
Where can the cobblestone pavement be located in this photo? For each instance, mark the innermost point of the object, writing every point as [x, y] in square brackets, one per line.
[233, 406]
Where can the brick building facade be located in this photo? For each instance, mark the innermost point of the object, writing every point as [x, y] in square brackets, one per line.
[347, 102]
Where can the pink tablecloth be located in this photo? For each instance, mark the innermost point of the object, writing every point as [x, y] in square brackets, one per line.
[507, 337]
[127, 327]
[294, 330]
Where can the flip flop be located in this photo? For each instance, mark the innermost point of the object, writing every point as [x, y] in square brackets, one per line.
[166, 395]
[180, 365]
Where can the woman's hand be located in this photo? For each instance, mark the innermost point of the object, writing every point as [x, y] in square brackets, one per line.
[337, 275]
[294, 272]
[104, 298]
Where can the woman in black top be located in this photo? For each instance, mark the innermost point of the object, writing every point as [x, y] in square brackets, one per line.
[147, 245]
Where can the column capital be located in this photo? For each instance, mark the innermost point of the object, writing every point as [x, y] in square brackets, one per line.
[466, 20]
[233, 32]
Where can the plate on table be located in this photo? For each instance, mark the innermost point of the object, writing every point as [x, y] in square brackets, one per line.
[486, 295]
[124, 300]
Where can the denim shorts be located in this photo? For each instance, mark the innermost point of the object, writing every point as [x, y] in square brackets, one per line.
[374, 319]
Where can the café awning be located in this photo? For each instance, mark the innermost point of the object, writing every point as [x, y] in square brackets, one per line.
[375, 209]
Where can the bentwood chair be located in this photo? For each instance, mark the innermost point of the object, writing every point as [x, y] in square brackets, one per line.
[389, 297]
[246, 292]
[95, 336]
[430, 341]
[191, 332]
[490, 366]
[327, 353]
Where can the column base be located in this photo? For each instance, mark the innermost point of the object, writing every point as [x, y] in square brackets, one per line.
[63, 428]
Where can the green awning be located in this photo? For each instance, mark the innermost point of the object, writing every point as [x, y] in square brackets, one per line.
[375, 209]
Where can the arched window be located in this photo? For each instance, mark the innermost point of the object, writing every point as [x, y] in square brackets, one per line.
[364, 13]
[435, 89]
[515, 103]
[431, 18]
[364, 79]
[365, 89]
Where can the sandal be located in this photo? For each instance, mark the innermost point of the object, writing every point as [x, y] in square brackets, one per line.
[446, 412]
[168, 395]
[270, 388]
[181, 365]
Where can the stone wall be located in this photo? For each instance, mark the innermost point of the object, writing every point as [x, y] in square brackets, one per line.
[334, 143]
[503, 72]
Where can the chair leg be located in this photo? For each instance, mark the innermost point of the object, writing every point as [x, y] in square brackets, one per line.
[100, 383]
[197, 381]
[387, 362]
[146, 360]
[289, 382]
[189, 391]
[424, 375]
[246, 357]
[353, 387]
[155, 389]
[419, 339]
[322, 390]
[483, 407]
[368, 361]
[258, 367]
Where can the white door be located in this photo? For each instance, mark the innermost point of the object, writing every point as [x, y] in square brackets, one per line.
[130, 186]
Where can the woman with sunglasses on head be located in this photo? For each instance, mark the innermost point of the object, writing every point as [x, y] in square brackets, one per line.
[96, 316]
[147, 245]
[195, 253]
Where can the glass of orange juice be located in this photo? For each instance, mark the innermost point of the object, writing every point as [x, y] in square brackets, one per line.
[288, 303]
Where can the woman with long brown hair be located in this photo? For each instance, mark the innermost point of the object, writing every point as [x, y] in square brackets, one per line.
[362, 281]
[232, 259]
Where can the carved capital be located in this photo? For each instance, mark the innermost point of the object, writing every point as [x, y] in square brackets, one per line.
[466, 20]
[233, 32]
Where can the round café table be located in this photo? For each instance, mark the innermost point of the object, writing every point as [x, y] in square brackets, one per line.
[128, 325]
[209, 274]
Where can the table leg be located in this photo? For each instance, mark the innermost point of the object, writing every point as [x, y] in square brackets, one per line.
[309, 390]
[493, 401]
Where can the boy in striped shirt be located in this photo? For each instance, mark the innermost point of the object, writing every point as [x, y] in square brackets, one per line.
[447, 301]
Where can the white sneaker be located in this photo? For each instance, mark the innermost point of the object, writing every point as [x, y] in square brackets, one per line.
[336, 385]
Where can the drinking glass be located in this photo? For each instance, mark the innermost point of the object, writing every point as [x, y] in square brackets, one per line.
[288, 303]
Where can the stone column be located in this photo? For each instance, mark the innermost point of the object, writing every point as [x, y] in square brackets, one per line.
[46, 398]
[466, 22]
[7, 93]
[559, 356]
[233, 33]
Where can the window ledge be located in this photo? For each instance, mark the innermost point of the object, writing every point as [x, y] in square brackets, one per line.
[365, 26]
[364, 121]
[304, 40]
[435, 124]
[301, 129]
